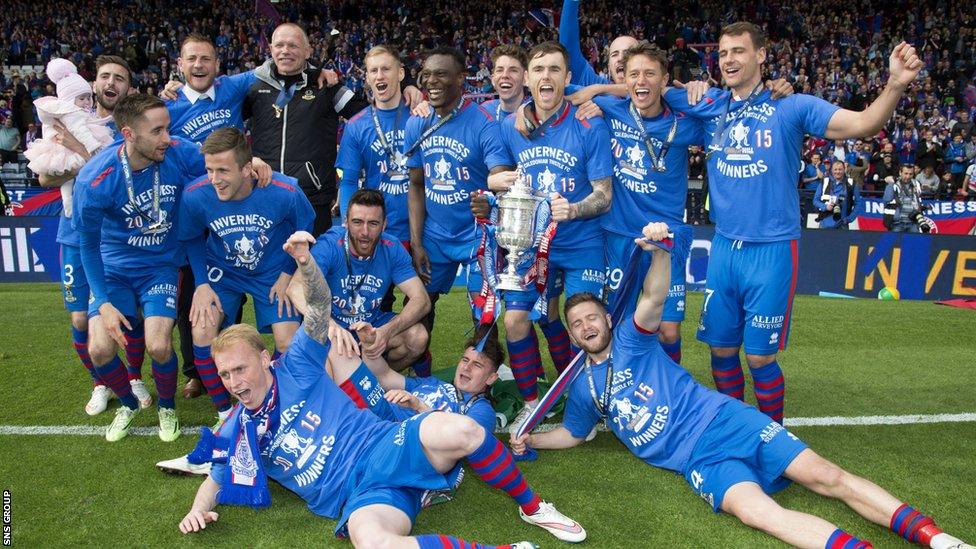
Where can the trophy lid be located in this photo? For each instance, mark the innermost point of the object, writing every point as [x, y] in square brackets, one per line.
[521, 188]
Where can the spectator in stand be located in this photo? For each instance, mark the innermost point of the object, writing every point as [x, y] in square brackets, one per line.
[906, 142]
[970, 185]
[9, 141]
[858, 162]
[955, 159]
[929, 151]
[836, 198]
[885, 171]
[961, 124]
[814, 172]
[971, 148]
[929, 181]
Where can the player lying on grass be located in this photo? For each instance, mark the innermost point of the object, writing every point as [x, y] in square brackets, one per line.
[732, 454]
[296, 426]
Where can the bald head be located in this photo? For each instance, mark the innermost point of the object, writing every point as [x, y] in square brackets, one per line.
[290, 49]
[615, 56]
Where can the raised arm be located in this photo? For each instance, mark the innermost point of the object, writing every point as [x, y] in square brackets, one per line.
[903, 66]
[316, 292]
[658, 279]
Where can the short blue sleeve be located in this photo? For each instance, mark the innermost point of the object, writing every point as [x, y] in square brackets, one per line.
[495, 153]
[507, 133]
[326, 254]
[580, 415]
[89, 202]
[808, 114]
[712, 104]
[410, 135]
[350, 150]
[192, 223]
[483, 414]
[302, 213]
[305, 358]
[191, 158]
[629, 337]
[402, 265]
[410, 384]
[599, 162]
[240, 83]
[604, 101]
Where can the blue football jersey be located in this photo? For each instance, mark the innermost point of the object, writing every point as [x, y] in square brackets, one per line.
[362, 152]
[102, 208]
[640, 192]
[753, 166]
[655, 407]
[456, 159]
[245, 237]
[321, 435]
[564, 159]
[495, 108]
[440, 395]
[358, 286]
[195, 121]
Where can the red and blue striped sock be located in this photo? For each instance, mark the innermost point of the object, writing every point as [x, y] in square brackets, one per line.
[526, 361]
[423, 365]
[728, 376]
[559, 347]
[441, 541]
[205, 366]
[135, 351]
[770, 389]
[913, 526]
[842, 540]
[540, 369]
[112, 374]
[165, 376]
[673, 350]
[493, 463]
[79, 339]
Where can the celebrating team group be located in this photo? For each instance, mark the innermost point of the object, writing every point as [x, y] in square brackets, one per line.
[182, 217]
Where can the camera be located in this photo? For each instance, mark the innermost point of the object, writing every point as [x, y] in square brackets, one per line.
[918, 217]
[833, 208]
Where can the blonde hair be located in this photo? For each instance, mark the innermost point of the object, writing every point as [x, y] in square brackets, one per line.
[380, 50]
[238, 333]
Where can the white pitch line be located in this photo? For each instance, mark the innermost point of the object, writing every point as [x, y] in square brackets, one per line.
[830, 421]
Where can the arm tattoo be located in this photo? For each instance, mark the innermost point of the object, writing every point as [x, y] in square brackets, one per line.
[597, 202]
[318, 295]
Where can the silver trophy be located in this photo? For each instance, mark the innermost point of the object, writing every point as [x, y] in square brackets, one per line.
[516, 230]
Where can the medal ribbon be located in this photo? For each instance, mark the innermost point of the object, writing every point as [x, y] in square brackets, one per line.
[718, 138]
[430, 131]
[656, 161]
[130, 190]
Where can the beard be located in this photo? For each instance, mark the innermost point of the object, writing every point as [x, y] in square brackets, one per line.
[597, 344]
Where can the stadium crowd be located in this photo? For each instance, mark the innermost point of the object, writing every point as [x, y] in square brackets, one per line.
[173, 218]
[833, 50]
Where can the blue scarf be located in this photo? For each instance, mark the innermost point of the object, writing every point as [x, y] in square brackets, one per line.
[238, 445]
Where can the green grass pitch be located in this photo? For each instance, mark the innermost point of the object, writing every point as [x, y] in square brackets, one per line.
[846, 358]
